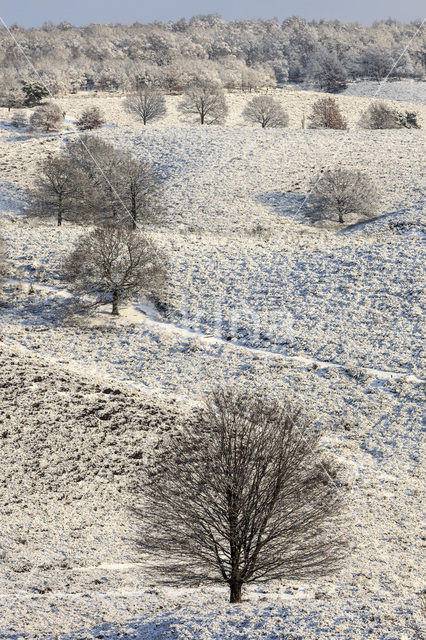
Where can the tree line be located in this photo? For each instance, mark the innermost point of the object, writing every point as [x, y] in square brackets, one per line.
[238, 55]
[206, 102]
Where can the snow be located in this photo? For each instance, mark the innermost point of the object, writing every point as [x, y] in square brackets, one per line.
[330, 317]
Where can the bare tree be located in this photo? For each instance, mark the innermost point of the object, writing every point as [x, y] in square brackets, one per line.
[266, 111]
[326, 114]
[99, 163]
[138, 190]
[112, 264]
[46, 118]
[207, 101]
[57, 189]
[340, 192]
[91, 118]
[116, 185]
[148, 104]
[241, 496]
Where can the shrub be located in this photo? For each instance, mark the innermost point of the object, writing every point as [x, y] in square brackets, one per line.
[379, 115]
[326, 114]
[47, 118]
[91, 118]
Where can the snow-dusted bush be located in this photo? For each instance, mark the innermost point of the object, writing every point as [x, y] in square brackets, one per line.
[242, 496]
[112, 264]
[148, 104]
[206, 101]
[380, 115]
[91, 118]
[47, 118]
[266, 111]
[336, 193]
[326, 114]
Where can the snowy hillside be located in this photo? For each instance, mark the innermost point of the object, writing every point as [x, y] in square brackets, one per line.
[329, 315]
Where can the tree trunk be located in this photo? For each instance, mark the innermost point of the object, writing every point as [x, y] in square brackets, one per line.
[340, 217]
[235, 592]
[115, 303]
[60, 210]
[134, 211]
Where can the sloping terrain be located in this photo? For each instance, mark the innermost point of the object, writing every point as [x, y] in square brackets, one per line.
[70, 448]
[329, 316]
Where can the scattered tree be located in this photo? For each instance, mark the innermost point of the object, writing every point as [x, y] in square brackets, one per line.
[139, 191]
[91, 118]
[244, 495]
[380, 115]
[113, 264]
[116, 185]
[47, 118]
[148, 104]
[207, 101]
[340, 192]
[266, 111]
[34, 93]
[326, 114]
[57, 189]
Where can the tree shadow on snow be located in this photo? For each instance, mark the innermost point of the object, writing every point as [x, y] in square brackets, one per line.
[284, 204]
[12, 199]
[160, 628]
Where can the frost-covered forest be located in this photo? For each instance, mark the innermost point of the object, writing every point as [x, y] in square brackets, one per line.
[244, 54]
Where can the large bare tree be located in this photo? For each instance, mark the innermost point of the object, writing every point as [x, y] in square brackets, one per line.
[243, 495]
[337, 193]
[207, 101]
[117, 186]
[148, 104]
[266, 111]
[112, 264]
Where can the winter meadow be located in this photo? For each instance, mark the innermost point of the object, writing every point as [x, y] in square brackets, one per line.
[212, 249]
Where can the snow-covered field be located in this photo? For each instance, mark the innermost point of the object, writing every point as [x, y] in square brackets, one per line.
[401, 90]
[258, 296]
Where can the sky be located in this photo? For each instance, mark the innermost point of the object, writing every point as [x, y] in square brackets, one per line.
[29, 13]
